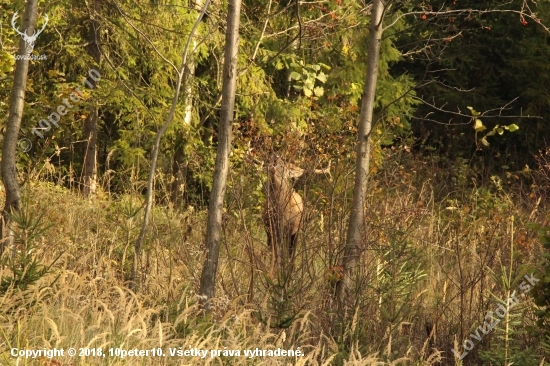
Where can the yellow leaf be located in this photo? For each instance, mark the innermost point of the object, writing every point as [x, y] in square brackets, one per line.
[345, 49]
[478, 126]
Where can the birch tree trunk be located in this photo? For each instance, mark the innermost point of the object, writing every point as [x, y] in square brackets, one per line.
[9, 147]
[356, 228]
[191, 66]
[89, 184]
[179, 165]
[213, 229]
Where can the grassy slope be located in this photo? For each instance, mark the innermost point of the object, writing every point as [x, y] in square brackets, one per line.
[429, 261]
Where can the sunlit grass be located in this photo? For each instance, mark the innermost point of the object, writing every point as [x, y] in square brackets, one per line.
[422, 257]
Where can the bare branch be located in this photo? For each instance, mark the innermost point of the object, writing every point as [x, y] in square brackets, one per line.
[263, 30]
[531, 15]
[485, 114]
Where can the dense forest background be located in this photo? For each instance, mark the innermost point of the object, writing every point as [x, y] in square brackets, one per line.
[456, 206]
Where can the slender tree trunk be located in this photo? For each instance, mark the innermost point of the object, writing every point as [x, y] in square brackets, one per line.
[9, 147]
[188, 85]
[356, 229]
[155, 151]
[89, 173]
[179, 166]
[89, 188]
[213, 230]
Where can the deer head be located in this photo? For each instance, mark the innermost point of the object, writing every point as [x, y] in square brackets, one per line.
[30, 40]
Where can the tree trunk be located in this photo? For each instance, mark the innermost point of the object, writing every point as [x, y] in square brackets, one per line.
[89, 173]
[89, 188]
[188, 85]
[179, 165]
[208, 276]
[9, 147]
[356, 228]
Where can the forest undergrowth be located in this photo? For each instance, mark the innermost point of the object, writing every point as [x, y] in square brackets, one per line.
[434, 264]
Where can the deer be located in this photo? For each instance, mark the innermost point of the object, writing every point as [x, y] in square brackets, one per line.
[284, 207]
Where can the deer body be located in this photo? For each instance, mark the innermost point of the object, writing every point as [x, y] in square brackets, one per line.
[284, 209]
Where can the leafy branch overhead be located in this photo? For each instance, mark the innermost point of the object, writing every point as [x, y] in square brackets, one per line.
[480, 127]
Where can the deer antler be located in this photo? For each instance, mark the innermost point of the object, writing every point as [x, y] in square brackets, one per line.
[13, 19]
[43, 27]
[24, 34]
[325, 170]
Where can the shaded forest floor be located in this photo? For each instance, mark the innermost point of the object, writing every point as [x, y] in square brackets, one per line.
[434, 266]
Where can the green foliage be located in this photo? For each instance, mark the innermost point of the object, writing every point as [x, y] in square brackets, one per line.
[506, 347]
[6, 63]
[541, 294]
[281, 311]
[308, 86]
[306, 76]
[24, 262]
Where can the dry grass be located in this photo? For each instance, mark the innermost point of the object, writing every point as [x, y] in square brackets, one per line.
[427, 262]
[84, 303]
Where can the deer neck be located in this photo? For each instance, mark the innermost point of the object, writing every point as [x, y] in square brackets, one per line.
[281, 186]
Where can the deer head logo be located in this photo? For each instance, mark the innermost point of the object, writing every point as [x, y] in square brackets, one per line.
[30, 40]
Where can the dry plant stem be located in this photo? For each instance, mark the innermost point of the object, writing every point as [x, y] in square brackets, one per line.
[160, 133]
[215, 207]
[9, 148]
[507, 318]
[357, 218]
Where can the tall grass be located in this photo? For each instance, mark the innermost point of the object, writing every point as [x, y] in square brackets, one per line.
[425, 279]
